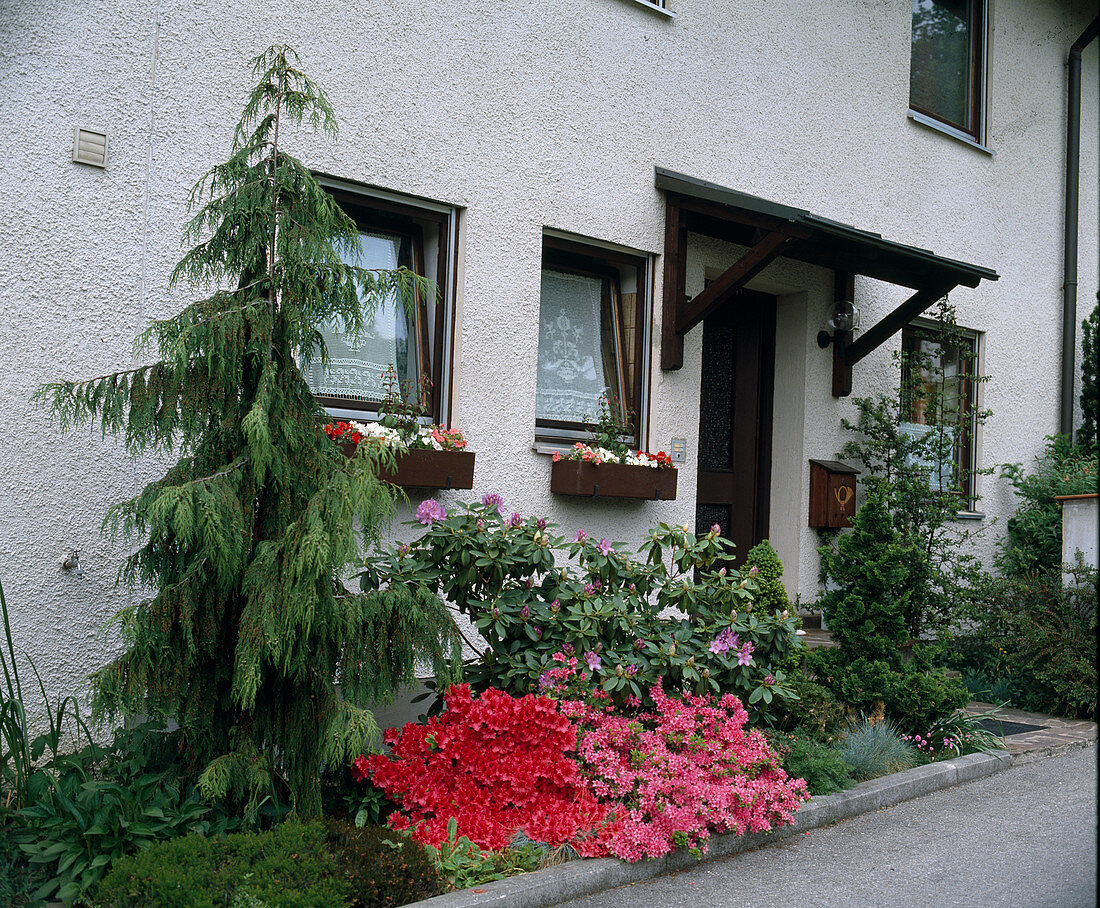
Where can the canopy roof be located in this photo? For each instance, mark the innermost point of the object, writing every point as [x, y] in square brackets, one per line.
[771, 230]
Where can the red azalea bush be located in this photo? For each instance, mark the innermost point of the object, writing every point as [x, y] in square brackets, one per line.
[498, 764]
[583, 773]
[681, 773]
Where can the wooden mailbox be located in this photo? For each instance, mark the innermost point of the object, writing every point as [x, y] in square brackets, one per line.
[832, 494]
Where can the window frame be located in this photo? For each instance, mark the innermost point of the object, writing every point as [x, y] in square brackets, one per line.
[372, 208]
[571, 254]
[977, 72]
[966, 460]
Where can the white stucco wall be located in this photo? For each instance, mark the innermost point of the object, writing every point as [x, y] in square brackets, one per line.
[527, 116]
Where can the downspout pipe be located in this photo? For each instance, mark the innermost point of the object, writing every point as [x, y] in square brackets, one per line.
[1073, 180]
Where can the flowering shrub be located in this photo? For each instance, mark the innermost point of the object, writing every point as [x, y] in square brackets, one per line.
[597, 455]
[675, 610]
[498, 765]
[636, 786]
[681, 772]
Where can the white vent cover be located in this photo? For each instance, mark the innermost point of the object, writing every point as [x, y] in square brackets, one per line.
[90, 147]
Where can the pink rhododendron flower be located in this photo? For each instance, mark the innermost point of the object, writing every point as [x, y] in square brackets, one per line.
[492, 501]
[430, 511]
[592, 660]
[604, 547]
[744, 657]
[581, 536]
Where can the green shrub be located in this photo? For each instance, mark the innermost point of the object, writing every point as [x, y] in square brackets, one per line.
[288, 866]
[869, 570]
[675, 610]
[921, 696]
[1033, 543]
[771, 595]
[381, 867]
[816, 713]
[819, 764]
[1057, 641]
[1090, 379]
[873, 749]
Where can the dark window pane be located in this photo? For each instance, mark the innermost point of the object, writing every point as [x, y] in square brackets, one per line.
[942, 75]
[716, 396]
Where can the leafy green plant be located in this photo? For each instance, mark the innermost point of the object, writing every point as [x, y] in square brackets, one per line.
[818, 763]
[816, 714]
[959, 733]
[288, 866]
[15, 756]
[246, 540]
[463, 864]
[1090, 380]
[673, 611]
[90, 808]
[1033, 542]
[1057, 640]
[381, 867]
[872, 749]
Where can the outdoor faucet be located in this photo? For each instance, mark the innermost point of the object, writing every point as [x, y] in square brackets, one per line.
[72, 563]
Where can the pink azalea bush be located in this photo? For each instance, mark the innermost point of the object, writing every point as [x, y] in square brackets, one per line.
[682, 772]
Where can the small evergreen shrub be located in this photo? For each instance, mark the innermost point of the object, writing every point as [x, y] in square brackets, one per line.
[816, 714]
[1033, 543]
[380, 867]
[873, 749]
[819, 764]
[288, 866]
[771, 595]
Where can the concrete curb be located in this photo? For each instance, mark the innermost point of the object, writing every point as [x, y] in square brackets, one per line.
[544, 888]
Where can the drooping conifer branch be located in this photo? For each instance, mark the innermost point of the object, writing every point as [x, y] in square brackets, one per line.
[245, 540]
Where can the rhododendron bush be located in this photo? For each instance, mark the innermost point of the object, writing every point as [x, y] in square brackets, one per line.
[676, 609]
[582, 773]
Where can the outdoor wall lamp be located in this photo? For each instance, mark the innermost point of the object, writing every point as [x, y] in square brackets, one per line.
[844, 320]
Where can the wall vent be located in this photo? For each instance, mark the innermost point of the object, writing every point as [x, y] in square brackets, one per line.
[90, 147]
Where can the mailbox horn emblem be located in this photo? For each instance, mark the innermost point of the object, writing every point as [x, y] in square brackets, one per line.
[843, 495]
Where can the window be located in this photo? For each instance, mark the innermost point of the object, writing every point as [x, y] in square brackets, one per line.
[592, 338]
[938, 403]
[947, 66]
[393, 232]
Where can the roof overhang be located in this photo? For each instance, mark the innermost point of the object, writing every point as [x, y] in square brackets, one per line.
[770, 231]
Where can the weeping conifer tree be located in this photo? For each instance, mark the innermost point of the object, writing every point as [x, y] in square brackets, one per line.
[246, 538]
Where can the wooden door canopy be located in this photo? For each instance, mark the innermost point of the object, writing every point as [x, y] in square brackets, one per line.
[770, 230]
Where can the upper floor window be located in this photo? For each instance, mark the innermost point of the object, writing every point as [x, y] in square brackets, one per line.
[947, 67]
[592, 322]
[939, 404]
[415, 344]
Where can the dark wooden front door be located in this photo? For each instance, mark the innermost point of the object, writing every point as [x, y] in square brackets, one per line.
[735, 420]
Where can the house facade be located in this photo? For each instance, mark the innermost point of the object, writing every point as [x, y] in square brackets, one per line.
[664, 202]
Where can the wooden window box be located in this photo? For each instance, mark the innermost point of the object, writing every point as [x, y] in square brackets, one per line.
[612, 480]
[423, 468]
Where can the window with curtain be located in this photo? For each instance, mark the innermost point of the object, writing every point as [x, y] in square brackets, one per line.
[947, 75]
[414, 344]
[356, 366]
[591, 309]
